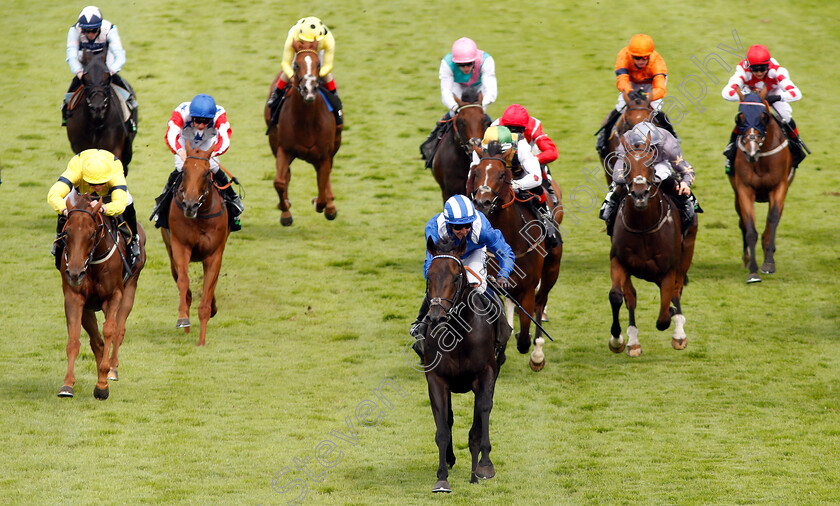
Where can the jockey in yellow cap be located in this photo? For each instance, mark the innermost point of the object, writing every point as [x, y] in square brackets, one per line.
[95, 172]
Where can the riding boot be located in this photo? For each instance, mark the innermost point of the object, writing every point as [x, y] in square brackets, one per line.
[662, 120]
[234, 203]
[58, 245]
[130, 217]
[794, 143]
[420, 326]
[275, 103]
[335, 102]
[427, 149]
[160, 214]
[546, 184]
[602, 144]
[609, 208]
[686, 211]
[552, 236]
[729, 153]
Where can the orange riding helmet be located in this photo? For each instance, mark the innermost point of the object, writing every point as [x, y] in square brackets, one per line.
[640, 45]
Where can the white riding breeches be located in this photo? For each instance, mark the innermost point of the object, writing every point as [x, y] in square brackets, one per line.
[656, 104]
[214, 164]
[662, 170]
[784, 109]
[476, 263]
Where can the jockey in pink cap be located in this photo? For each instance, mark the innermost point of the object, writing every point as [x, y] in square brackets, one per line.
[464, 68]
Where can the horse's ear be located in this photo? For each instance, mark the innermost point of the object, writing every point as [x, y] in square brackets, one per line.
[480, 97]
[740, 93]
[430, 245]
[471, 179]
[765, 118]
[462, 248]
[458, 101]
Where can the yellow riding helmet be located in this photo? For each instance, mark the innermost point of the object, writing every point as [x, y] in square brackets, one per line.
[99, 166]
[640, 45]
[310, 29]
[499, 134]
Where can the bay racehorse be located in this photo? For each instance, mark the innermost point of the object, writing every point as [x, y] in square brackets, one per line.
[648, 242]
[536, 267]
[763, 173]
[305, 129]
[92, 280]
[198, 231]
[96, 118]
[636, 111]
[464, 350]
[453, 156]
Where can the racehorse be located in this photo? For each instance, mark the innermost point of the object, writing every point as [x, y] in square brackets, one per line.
[197, 232]
[648, 242]
[96, 120]
[92, 280]
[464, 350]
[636, 111]
[453, 156]
[763, 173]
[537, 267]
[305, 129]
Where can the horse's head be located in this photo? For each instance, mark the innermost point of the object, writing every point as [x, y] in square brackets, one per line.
[196, 182]
[446, 278]
[489, 181]
[97, 82]
[307, 67]
[753, 117]
[82, 233]
[470, 120]
[639, 171]
[638, 110]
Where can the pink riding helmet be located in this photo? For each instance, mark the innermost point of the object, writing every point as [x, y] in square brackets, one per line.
[464, 50]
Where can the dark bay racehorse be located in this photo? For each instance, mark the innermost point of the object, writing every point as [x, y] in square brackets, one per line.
[96, 120]
[636, 111]
[92, 280]
[462, 354]
[451, 163]
[763, 173]
[198, 231]
[306, 129]
[648, 242]
[489, 186]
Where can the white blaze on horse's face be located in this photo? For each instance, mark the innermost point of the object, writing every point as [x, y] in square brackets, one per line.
[309, 84]
[750, 144]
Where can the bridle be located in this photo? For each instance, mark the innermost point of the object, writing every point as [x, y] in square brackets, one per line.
[206, 186]
[498, 200]
[98, 235]
[642, 180]
[438, 301]
[307, 77]
[468, 146]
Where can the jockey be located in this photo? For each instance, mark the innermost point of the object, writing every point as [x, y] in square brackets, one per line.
[204, 125]
[518, 121]
[464, 67]
[527, 176]
[95, 34]
[461, 221]
[95, 172]
[640, 73]
[760, 71]
[308, 30]
[667, 163]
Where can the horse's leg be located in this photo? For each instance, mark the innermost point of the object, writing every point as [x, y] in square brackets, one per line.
[73, 308]
[746, 199]
[550, 271]
[480, 431]
[180, 268]
[125, 309]
[523, 338]
[679, 341]
[440, 398]
[212, 266]
[324, 202]
[109, 333]
[745, 255]
[774, 215]
[634, 346]
[666, 293]
[282, 178]
[618, 276]
[450, 451]
[92, 329]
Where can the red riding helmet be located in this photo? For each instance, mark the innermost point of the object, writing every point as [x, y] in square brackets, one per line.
[515, 115]
[758, 55]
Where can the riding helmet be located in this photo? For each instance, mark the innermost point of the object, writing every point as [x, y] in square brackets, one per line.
[203, 106]
[90, 18]
[458, 210]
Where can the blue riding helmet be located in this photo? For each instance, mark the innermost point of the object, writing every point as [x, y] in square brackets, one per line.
[90, 18]
[640, 133]
[458, 210]
[203, 106]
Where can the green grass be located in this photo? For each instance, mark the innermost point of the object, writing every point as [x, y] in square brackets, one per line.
[313, 317]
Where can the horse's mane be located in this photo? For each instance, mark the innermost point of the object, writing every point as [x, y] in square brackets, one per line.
[445, 245]
[494, 148]
[470, 95]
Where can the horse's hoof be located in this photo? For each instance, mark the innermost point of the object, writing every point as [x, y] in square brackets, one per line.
[331, 215]
[286, 221]
[535, 366]
[442, 486]
[634, 350]
[485, 472]
[617, 345]
[113, 375]
[100, 393]
[65, 391]
[753, 278]
[544, 316]
[768, 268]
[679, 344]
[182, 323]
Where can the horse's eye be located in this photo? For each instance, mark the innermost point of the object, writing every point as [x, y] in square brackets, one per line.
[501, 176]
[486, 124]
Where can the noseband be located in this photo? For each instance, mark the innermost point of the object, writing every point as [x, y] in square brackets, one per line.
[438, 301]
[98, 235]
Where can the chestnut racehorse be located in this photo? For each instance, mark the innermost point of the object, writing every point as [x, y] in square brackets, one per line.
[763, 173]
[451, 163]
[648, 242]
[305, 129]
[198, 231]
[92, 280]
[635, 112]
[464, 350]
[96, 120]
[489, 187]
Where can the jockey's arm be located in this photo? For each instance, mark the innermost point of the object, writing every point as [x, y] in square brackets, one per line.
[72, 58]
[59, 190]
[495, 242]
[288, 56]
[224, 134]
[118, 190]
[328, 45]
[431, 231]
[618, 166]
[447, 86]
[489, 87]
[115, 47]
[548, 150]
[787, 90]
[173, 130]
[622, 71]
[660, 77]
[530, 165]
[735, 83]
